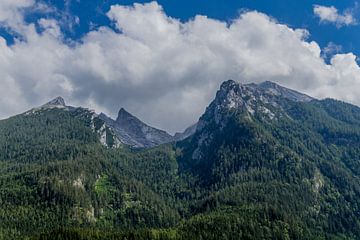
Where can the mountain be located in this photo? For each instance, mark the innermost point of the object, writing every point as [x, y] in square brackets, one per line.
[262, 162]
[59, 170]
[265, 101]
[264, 150]
[107, 135]
[58, 101]
[126, 129]
[133, 132]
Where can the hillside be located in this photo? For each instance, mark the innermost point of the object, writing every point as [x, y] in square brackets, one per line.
[263, 162]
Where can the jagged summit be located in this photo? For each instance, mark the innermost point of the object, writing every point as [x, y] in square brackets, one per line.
[58, 101]
[228, 83]
[276, 89]
[123, 111]
[132, 131]
[265, 100]
[254, 99]
[268, 88]
[124, 115]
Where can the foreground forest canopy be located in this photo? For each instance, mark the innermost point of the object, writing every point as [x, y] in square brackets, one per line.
[264, 162]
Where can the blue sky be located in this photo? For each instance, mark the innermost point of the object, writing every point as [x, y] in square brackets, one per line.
[164, 62]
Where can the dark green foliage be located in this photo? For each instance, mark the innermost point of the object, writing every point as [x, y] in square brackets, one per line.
[292, 177]
[55, 173]
[303, 164]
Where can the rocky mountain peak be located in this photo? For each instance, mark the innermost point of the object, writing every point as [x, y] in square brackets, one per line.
[122, 111]
[273, 88]
[235, 95]
[264, 100]
[124, 116]
[133, 132]
[58, 101]
[266, 88]
[228, 84]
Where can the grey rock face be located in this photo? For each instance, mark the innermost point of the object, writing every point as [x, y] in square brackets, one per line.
[59, 101]
[265, 98]
[271, 87]
[265, 101]
[133, 132]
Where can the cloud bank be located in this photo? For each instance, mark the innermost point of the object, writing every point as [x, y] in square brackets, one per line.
[331, 15]
[164, 71]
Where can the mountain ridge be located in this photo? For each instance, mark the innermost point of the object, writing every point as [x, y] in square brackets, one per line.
[263, 162]
[131, 131]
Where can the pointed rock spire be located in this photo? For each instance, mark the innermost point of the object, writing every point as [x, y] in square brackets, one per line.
[58, 101]
[124, 116]
[132, 131]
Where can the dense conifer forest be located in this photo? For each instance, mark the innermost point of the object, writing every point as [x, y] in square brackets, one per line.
[293, 177]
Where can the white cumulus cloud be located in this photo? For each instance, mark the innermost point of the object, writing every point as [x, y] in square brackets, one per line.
[163, 70]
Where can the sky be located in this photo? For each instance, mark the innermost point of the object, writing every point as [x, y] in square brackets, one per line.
[164, 60]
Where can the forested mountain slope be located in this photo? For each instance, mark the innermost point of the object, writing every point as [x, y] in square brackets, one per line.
[263, 162]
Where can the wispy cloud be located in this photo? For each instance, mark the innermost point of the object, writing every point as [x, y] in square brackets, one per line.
[331, 49]
[332, 15]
